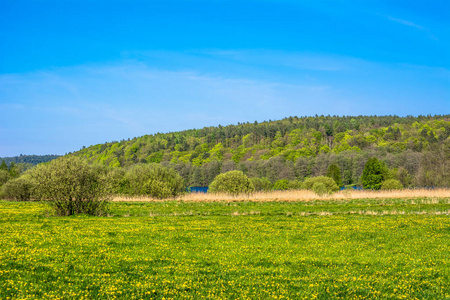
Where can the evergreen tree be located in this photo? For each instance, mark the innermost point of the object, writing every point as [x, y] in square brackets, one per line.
[3, 166]
[13, 170]
[373, 174]
[4, 177]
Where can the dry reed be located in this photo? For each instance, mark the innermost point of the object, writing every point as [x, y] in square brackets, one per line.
[301, 195]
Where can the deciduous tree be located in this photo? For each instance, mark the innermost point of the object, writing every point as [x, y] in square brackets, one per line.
[71, 185]
[233, 183]
[334, 172]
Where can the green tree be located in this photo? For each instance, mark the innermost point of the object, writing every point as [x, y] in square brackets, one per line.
[318, 183]
[374, 174]
[281, 184]
[18, 189]
[334, 172]
[115, 181]
[14, 170]
[4, 177]
[403, 176]
[153, 180]
[3, 165]
[391, 184]
[294, 185]
[71, 185]
[261, 184]
[319, 188]
[233, 183]
[312, 143]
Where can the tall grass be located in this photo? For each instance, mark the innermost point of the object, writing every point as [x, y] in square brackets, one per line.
[302, 195]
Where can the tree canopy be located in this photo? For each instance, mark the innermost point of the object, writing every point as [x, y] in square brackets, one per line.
[294, 148]
[233, 183]
[374, 173]
[71, 185]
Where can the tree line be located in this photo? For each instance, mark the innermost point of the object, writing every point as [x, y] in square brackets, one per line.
[30, 160]
[414, 148]
[73, 186]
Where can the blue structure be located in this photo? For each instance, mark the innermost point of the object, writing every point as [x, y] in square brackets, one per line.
[354, 187]
[197, 189]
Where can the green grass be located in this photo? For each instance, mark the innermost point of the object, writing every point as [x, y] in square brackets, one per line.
[359, 249]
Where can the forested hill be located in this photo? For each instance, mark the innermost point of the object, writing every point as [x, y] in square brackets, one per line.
[28, 159]
[295, 148]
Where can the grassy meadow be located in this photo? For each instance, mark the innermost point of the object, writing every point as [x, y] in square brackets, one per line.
[318, 248]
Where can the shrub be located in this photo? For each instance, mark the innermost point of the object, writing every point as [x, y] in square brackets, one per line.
[319, 188]
[153, 180]
[281, 184]
[115, 181]
[294, 185]
[261, 184]
[329, 184]
[391, 184]
[18, 189]
[233, 183]
[71, 185]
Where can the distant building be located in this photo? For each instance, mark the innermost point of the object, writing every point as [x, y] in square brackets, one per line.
[197, 189]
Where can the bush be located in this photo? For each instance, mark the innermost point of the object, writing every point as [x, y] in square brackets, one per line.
[233, 183]
[71, 185]
[319, 188]
[391, 184]
[18, 189]
[294, 185]
[329, 184]
[281, 184]
[115, 181]
[153, 180]
[261, 184]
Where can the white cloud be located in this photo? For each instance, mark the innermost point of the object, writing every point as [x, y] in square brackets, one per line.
[405, 22]
[296, 60]
[70, 107]
[257, 58]
[125, 99]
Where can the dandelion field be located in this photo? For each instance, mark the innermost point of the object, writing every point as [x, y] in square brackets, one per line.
[391, 248]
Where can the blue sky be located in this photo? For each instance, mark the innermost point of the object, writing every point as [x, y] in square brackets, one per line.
[77, 73]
